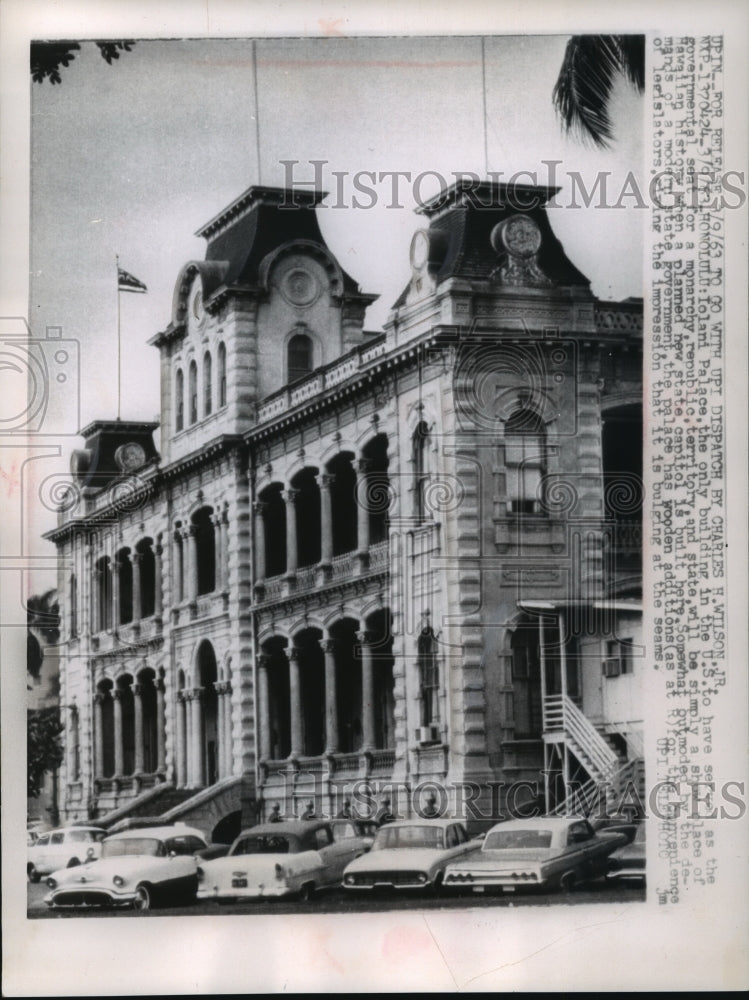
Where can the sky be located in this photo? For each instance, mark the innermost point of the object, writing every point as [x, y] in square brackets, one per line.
[131, 159]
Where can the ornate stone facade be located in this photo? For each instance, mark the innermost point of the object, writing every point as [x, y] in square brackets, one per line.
[361, 560]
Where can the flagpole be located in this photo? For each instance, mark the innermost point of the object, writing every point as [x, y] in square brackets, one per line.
[257, 113]
[117, 268]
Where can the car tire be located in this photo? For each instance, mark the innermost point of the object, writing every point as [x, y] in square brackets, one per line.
[143, 900]
[33, 874]
[568, 882]
[307, 892]
[73, 863]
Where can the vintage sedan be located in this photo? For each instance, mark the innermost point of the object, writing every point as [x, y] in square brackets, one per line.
[410, 854]
[352, 829]
[628, 862]
[64, 848]
[294, 858]
[549, 852]
[137, 868]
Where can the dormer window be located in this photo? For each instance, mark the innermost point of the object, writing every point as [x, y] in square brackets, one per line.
[299, 357]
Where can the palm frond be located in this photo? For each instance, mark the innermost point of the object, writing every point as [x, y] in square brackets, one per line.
[582, 93]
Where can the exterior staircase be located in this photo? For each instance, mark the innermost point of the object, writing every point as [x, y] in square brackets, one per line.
[612, 761]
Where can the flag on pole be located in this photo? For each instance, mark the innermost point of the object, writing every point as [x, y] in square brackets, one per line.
[127, 283]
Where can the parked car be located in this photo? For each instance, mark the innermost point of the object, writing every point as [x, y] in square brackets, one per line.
[293, 858]
[64, 848]
[628, 862]
[548, 852]
[621, 823]
[409, 854]
[137, 868]
[350, 829]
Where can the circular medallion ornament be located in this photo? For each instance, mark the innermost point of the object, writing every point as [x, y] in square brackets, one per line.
[419, 249]
[300, 287]
[519, 235]
[130, 456]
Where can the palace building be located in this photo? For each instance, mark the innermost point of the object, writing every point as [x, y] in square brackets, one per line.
[361, 561]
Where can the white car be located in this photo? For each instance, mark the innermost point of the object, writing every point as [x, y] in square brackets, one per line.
[550, 852]
[137, 868]
[64, 848]
[294, 858]
[410, 854]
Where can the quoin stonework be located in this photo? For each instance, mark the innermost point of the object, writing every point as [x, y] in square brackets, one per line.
[352, 558]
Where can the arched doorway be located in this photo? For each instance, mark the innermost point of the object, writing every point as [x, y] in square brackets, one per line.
[208, 737]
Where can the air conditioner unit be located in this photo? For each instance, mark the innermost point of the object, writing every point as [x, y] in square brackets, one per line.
[428, 734]
[612, 667]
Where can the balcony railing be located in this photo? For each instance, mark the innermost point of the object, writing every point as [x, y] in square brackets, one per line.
[343, 567]
[291, 396]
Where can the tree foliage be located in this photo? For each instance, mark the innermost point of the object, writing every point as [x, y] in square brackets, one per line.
[48, 57]
[44, 746]
[43, 617]
[591, 64]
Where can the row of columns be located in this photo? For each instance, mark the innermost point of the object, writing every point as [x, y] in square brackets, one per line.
[325, 483]
[328, 646]
[100, 621]
[191, 756]
[118, 742]
[186, 558]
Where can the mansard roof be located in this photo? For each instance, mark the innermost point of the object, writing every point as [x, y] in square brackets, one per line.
[463, 217]
[258, 222]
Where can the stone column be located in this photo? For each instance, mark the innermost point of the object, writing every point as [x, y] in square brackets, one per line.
[325, 483]
[181, 769]
[295, 699]
[116, 594]
[157, 570]
[179, 569]
[367, 691]
[99, 724]
[192, 563]
[118, 746]
[224, 550]
[258, 509]
[197, 737]
[362, 506]
[228, 744]
[290, 496]
[331, 697]
[218, 542]
[160, 727]
[263, 665]
[138, 719]
[137, 602]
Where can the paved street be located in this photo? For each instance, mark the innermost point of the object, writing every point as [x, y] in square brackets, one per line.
[337, 901]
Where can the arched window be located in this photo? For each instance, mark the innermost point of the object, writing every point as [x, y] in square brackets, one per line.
[103, 594]
[193, 391]
[205, 540]
[525, 462]
[207, 384]
[221, 375]
[147, 578]
[299, 357]
[179, 396]
[420, 458]
[429, 680]
[124, 570]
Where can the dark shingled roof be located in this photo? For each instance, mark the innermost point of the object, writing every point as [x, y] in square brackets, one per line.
[466, 214]
[256, 223]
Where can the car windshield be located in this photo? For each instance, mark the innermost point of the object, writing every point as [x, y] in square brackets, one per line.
[269, 843]
[509, 840]
[133, 845]
[408, 836]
